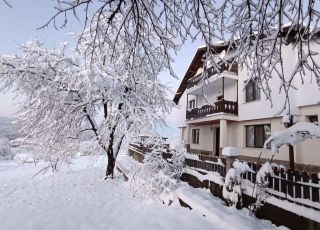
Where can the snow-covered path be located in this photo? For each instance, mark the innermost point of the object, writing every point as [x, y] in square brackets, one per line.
[82, 200]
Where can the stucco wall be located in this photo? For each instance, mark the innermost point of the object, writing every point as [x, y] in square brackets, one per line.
[263, 108]
[230, 91]
[237, 138]
[308, 152]
[308, 92]
[207, 138]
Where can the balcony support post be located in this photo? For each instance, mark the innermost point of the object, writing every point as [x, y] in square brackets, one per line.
[223, 88]
[188, 138]
[223, 133]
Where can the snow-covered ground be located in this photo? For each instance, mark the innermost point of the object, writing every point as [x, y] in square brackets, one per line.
[80, 199]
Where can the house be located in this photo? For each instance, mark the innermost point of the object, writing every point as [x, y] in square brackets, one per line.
[220, 109]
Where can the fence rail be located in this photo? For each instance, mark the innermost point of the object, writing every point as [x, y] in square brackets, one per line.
[295, 186]
[205, 162]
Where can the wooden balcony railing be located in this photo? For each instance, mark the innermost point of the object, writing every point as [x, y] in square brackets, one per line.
[222, 106]
[211, 72]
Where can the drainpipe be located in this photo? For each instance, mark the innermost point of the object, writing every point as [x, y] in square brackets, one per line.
[291, 150]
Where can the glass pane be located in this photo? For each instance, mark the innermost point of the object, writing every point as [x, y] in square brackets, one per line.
[267, 134]
[249, 92]
[195, 136]
[259, 137]
[313, 119]
[250, 136]
[257, 91]
[198, 135]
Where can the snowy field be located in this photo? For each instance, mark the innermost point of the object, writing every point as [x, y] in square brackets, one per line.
[80, 199]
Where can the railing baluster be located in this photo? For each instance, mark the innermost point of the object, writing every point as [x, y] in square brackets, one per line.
[221, 106]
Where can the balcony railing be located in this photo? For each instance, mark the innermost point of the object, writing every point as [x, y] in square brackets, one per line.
[211, 72]
[222, 106]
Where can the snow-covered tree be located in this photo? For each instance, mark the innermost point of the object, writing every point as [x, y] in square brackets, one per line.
[66, 96]
[257, 29]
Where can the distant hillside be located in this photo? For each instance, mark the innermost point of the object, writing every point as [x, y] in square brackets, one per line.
[9, 128]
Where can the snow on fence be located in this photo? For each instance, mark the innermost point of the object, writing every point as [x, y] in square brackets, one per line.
[210, 165]
[295, 186]
[298, 187]
[196, 161]
[203, 162]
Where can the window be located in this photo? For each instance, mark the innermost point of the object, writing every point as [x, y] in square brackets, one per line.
[313, 119]
[252, 91]
[195, 136]
[256, 135]
[192, 104]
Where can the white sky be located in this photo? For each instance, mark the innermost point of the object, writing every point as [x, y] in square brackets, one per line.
[19, 24]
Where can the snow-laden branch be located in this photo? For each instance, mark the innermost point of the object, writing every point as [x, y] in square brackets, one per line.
[258, 31]
[293, 135]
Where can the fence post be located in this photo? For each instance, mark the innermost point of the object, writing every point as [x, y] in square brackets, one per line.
[230, 153]
[229, 162]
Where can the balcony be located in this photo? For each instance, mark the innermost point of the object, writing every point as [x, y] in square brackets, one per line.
[211, 72]
[222, 106]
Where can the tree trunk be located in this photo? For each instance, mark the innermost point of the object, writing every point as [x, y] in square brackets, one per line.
[110, 166]
[111, 158]
[110, 152]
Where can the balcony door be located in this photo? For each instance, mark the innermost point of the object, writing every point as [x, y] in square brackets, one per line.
[217, 141]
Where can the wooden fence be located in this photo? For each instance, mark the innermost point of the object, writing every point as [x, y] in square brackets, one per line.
[205, 162]
[295, 186]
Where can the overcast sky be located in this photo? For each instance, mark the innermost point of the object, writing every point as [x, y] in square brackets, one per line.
[19, 24]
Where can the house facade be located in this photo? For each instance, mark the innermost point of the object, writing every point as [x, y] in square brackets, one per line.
[224, 109]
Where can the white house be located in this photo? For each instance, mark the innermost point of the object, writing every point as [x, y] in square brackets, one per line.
[225, 110]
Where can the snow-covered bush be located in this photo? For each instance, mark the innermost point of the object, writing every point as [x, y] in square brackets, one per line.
[261, 186]
[22, 158]
[158, 177]
[178, 161]
[232, 187]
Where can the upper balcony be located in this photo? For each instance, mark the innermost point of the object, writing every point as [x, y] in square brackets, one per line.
[217, 95]
[208, 75]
